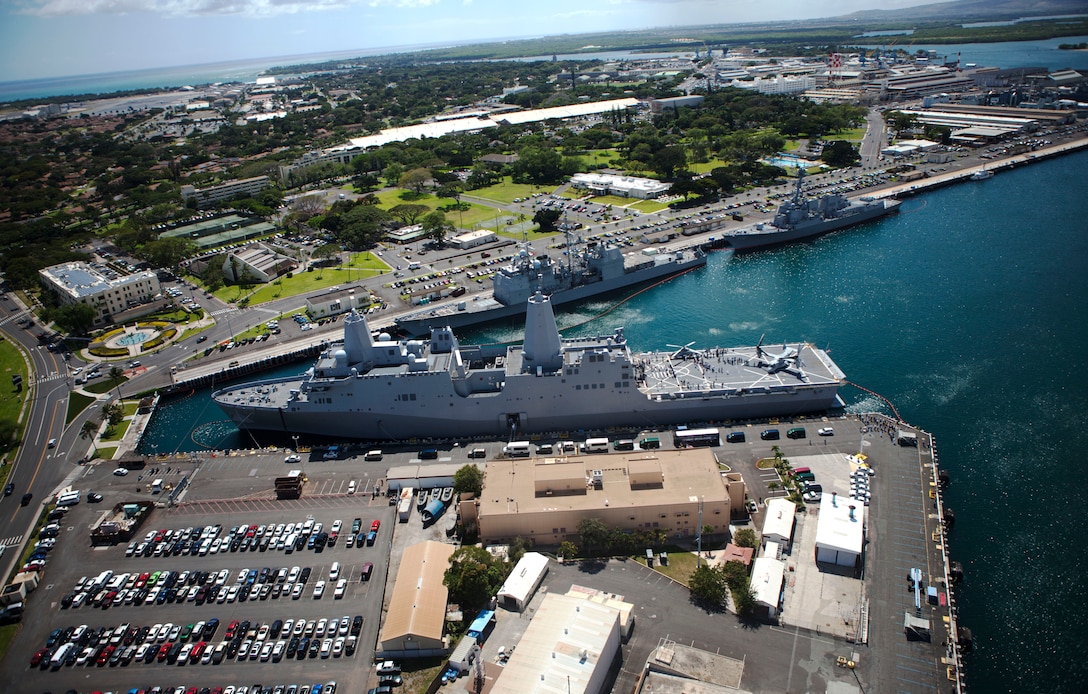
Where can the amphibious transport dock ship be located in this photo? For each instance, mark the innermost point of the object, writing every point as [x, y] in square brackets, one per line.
[800, 218]
[597, 269]
[383, 389]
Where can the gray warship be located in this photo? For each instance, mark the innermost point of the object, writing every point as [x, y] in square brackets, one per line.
[378, 388]
[598, 268]
[800, 218]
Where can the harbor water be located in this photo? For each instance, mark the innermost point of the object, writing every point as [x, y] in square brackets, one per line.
[968, 311]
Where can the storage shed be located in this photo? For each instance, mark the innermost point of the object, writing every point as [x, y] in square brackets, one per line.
[840, 531]
[518, 588]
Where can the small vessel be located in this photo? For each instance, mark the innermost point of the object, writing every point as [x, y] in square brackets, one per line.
[447, 494]
[579, 273]
[982, 175]
[381, 389]
[799, 218]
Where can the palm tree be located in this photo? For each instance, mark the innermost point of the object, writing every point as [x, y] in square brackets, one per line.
[89, 430]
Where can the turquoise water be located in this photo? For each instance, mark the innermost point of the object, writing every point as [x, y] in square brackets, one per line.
[135, 338]
[968, 310]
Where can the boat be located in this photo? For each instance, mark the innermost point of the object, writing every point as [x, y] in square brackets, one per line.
[801, 218]
[982, 175]
[584, 271]
[384, 389]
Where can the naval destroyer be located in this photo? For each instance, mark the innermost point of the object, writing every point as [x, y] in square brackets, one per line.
[368, 388]
[800, 218]
[582, 273]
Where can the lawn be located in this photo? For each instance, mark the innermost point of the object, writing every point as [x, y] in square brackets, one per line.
[106, 452]
[505, 192]
[466, 219]
[12, 363]
[77, 402]
[118, 431]
[104, 386]
[850, 134]
[681, 565]
[706, 167]
[599, 157]
[649, 206]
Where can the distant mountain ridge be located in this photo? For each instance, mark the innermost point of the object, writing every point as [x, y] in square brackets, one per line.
[995, 10]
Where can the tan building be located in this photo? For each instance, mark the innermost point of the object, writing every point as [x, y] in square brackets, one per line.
[417, 608]
[546, 498]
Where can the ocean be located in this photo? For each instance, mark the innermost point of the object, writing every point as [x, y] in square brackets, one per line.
[968, 311]
[1008, 54]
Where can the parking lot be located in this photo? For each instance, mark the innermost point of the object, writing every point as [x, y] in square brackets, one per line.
[254, 581]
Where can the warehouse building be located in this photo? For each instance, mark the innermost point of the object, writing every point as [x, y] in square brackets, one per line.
[545, 499]
[568, 648]
[417, 608]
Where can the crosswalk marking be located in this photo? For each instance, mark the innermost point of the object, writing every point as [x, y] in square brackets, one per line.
[11, 541]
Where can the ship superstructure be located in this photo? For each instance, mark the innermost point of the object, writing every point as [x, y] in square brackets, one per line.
[385, 389]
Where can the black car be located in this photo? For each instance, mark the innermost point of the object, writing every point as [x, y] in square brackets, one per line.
[735, 437]
[769, 435]
[9, 488]
[26, 499]
[94, 497]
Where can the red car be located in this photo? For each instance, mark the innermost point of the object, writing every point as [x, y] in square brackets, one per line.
[375, 525]
[39, 656]
[104, 656]
[163, 650]
[231, 628]
[198, 650]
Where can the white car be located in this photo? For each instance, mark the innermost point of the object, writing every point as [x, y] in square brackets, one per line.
[293, 458]
[319, 590]
[341, 586]
[120, 472]
[826, 431]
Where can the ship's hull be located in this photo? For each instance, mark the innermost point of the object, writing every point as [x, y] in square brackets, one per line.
[490, 415]
[743, 241]
[422, 322]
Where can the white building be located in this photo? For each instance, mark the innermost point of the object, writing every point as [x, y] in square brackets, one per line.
[209, 197]
[98, 286]
[337, 301]
[261, 263]
[767, 576]
[623, 186]
[518, 588]
[471, 239]
[778, 521]
[568, 648]
[840, 531]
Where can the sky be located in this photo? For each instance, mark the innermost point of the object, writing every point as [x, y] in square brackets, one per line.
[57, 38]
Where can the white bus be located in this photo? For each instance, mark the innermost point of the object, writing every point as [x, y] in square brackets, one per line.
[516, 449]
[595, 446]
[696, 437]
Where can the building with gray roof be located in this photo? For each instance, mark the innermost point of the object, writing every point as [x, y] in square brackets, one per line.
[108, 292]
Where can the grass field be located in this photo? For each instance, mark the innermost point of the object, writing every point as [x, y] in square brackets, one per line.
[77, 402]
[599, 157]
[681, 565]
[706, 167]
[649, 206]
[107, 452]
[12, 363]
[118, 431]
[505, 192]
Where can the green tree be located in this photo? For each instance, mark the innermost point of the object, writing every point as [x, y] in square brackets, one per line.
[568, 550]
[74, 318]
[167, 251]
[326, 251]
[745, 537]
[546, 219]
[212, 275]
[468, 478]
[667, 160]
[518, 547]
[436, 227]
[594, 535]
[473, 577]
[708, 585]
[735, 573]
[744, 599]
[840, 153]
[89, 430]
[409, 213]
[415, 180]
